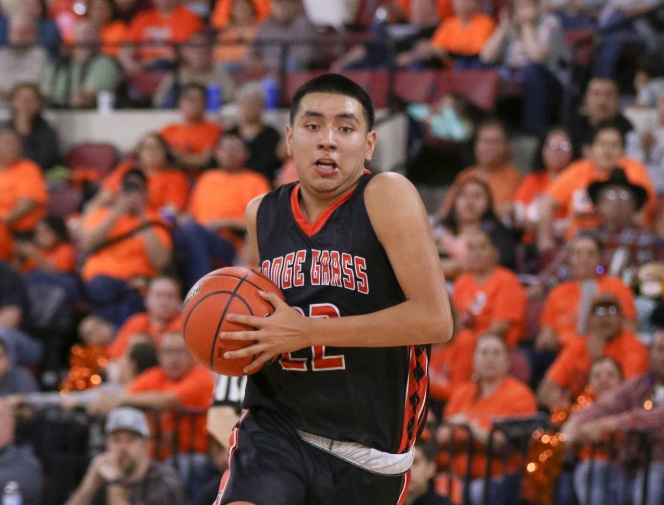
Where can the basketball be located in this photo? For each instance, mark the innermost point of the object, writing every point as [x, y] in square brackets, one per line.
[231, 290]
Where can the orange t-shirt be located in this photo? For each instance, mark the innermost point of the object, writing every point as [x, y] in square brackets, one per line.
[561, 307]
[192, 138]
[155, 32]
[500, 298]
[528, 199]
[571, 367]
[444, 8]
[466, 40]
[512, 398]
[569, 190]
[139, 323]
[24, 179]
[61, 259]
[222, 12]
[125, 259]
[194, 391]
[113, 35]
[232, 43]
[6, 243]
[503, 183]
[166, 187]
[218, 194]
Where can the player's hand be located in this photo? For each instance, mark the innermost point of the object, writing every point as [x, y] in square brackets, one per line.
[283, 331]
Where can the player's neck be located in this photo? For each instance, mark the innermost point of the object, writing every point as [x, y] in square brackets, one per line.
[314, 205]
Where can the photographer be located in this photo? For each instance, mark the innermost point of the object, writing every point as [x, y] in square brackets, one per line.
[126, 244]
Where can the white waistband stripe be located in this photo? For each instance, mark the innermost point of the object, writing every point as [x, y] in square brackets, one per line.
[373, 460]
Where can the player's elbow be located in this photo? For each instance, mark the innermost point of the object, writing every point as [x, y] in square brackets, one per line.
[440, 328]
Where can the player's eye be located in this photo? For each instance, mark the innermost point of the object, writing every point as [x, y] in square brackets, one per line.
[311, 126]
[346, 129]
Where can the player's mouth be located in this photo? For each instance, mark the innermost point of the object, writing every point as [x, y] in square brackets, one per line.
[326, 165]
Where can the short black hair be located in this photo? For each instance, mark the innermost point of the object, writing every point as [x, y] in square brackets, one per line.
[193, 86]
[130, 177]
[339, 85]
[609, 124]
[143, 355]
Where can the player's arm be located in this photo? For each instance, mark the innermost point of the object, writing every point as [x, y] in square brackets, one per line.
[251, 242]
[401, 224]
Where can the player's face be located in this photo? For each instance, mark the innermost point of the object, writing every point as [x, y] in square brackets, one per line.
[330, 143]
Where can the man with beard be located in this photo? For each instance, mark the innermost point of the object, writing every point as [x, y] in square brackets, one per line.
[125, 474]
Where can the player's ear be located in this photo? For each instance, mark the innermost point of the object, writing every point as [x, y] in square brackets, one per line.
[289, 140]
[371, 145]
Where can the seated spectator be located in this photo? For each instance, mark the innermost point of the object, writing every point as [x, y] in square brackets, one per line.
[488, 299]
[113, 31]
[222, 416]
[554, 153]
[22, 60]
[154, 34]
[213, 228]
[163, 304]
[620, 27]
[50, 250]
[390, 41]
[567, 305]
[125, 473]
[39, 140]
[626, 244]
[18, 464]
[647, 146]
[600, 105]
[74, 80]
[196, 66]
[237, 32]
[287, 23]
[14, 313]
[605, 336]
[23, 191]
[458, 39]
[530, 47]
[636, 404]
[193, 140]
[494, 165]
[48, 34]
[569, 191]
[168, 189]
[177, 383]
[421, 489]
[14, 379]
[649, 80]
[126, 244]
[491, 395]
[224, 11]
[471, 211]
[261, 139]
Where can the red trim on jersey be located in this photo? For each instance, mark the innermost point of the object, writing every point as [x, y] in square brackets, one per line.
[233, 447]
[308, 228]
[404, 488]
[411, 411]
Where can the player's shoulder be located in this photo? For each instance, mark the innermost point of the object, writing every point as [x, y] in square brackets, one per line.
[390, 187]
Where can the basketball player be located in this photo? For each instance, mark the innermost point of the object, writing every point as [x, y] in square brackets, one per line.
[333, 414]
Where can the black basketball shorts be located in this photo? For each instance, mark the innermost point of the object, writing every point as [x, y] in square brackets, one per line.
[275, 468]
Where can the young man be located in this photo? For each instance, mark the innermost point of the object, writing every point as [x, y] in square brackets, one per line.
[335, 411]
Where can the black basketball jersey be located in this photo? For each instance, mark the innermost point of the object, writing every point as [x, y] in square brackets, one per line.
[336, 267]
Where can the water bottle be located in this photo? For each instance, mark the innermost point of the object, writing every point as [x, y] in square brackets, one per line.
[12, 494]
[214, 97]
[271, 90]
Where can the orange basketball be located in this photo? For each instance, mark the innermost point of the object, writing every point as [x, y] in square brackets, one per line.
[231, 290]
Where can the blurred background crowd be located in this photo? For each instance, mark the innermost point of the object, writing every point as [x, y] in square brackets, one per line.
[534, 130]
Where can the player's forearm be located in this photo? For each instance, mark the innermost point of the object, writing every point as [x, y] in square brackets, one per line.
[408, 323]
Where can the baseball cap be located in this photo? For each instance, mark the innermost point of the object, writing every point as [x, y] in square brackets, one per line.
[127, 418]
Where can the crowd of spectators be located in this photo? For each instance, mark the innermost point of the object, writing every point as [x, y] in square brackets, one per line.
[556, 275]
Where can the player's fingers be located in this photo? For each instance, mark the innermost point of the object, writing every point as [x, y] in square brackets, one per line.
[244, 319]
[258, 363]
[273, 298]
[252, 350]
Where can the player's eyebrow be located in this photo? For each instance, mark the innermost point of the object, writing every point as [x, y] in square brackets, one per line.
[344, 115]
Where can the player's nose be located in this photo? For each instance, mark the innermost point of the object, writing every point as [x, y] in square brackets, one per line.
[327, 139]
